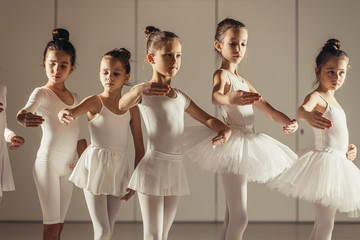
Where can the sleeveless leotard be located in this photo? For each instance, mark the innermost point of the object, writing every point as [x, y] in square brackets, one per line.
[161, 172]
[246, 152]
[323, 174]
[103, 167]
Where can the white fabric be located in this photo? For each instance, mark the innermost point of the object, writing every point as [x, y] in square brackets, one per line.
[236, 217]
[158, 214]
[259, 156]
[324, 223]
[6, 177]
[103, 167]
[56, 152]
[323, 174]
[103, 212]
[161, 172]
[57, 136]
[51, 174]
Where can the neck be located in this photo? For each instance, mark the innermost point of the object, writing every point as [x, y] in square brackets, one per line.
[231, 67]
[113, 95]
[56, 86]
[159, 78]
[326, 91]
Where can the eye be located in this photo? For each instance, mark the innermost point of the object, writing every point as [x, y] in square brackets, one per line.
[232, 43]
[178, 55]
[244, 44]
[331, 72]
[63, 66]
[116, 74]
[342, 73]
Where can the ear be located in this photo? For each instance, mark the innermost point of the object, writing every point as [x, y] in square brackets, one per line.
[127, 77]
[151, 58]
[72, 69]
[44, 66]
[317, 72]
[217, 45]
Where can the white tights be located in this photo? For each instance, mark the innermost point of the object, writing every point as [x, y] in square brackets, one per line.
[324, 223]
[103, 211]
[236, 218]
[158, 213]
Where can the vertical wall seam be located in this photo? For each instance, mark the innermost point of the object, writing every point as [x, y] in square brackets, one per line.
[216, 208]
[297, 87]
[55, 13]
[135, 70]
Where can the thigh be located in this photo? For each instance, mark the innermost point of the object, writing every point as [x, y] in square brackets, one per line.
[97, 206]
[152, 212]
[235, 188]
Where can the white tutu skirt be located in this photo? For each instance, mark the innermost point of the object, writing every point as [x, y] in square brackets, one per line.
[259, 156]
[102, 171]
[160, 174]
[6, 177]
[325, 177]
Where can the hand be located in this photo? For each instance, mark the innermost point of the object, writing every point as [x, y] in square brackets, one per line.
[222, 137]
[291, 127]
[27, 119]
[154, 89]
[16, 142]
[351, 153]
[316, 119]
[240, 97]
[72, 166]
[1, 109]
[65, 116]
[127, 196]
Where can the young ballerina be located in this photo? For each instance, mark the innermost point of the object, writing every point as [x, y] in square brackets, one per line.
[325, 175]
[102, 170]
[247, 156]
[6, 178]
[59, 143]
[160, 177]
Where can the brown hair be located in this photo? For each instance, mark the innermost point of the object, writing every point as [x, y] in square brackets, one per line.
[224, 25]
[123, 55]
[61, 42]
[330, 49]
[155, 38]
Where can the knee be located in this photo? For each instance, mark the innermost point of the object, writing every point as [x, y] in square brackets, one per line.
[243, 221]
[152, 236]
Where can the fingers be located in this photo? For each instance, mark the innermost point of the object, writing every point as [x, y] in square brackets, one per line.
[156, 89]
[245, 98]
[31, 120]
[291, 127]
[65, 117]
[1, 109]
[127, 196]
[16, 142]
[352, 152]
[320, 121]
[72, 166]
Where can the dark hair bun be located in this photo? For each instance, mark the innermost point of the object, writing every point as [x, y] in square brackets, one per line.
[60, 34]
[125, 53]
[332, 44]
[149, 30]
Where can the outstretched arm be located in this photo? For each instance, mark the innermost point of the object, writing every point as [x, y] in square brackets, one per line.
[133, 97]
[220, 89]
[224, 132]
[311, 112]
[28, 119]
[90, 104]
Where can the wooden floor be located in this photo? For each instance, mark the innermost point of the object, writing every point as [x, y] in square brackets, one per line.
[181, 231]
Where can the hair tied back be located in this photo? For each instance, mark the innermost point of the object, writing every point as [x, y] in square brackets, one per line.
[60, 34]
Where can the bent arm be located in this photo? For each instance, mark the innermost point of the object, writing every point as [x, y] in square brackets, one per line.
[135, 125]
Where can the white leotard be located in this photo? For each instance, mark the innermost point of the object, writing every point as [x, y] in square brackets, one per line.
[56, 153]
[161, 172]
[6, 178]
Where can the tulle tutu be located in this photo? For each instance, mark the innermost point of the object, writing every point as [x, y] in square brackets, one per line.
[160, 174]
[326, 177]
[6, 177]
[259, 156]
[102, 171]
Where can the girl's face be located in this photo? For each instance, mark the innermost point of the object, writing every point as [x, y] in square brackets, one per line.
[112, 73]
[57, 66]
[233, 46]
[167, 60]
[332, 74]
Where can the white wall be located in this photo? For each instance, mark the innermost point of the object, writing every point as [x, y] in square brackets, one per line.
[99, 26]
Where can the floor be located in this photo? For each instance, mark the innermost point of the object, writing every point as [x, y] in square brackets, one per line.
[181, 231]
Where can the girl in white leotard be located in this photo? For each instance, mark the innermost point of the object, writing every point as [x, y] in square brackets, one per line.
[59, 144]
[325, 175]
[247, 156]
[160, 177]
[6, 178]
[102, 170]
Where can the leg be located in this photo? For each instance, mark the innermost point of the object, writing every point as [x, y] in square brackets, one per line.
[51, 231]
[170, 207]
[325, 217]
[98, 209]
[152, 212]
[225, 225]
[114, 204]
[66, 189]
[235, 188]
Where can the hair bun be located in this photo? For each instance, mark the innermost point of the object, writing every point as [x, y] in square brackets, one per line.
[60, 34]
[149, 30]
[126, 53]
[332, 44]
